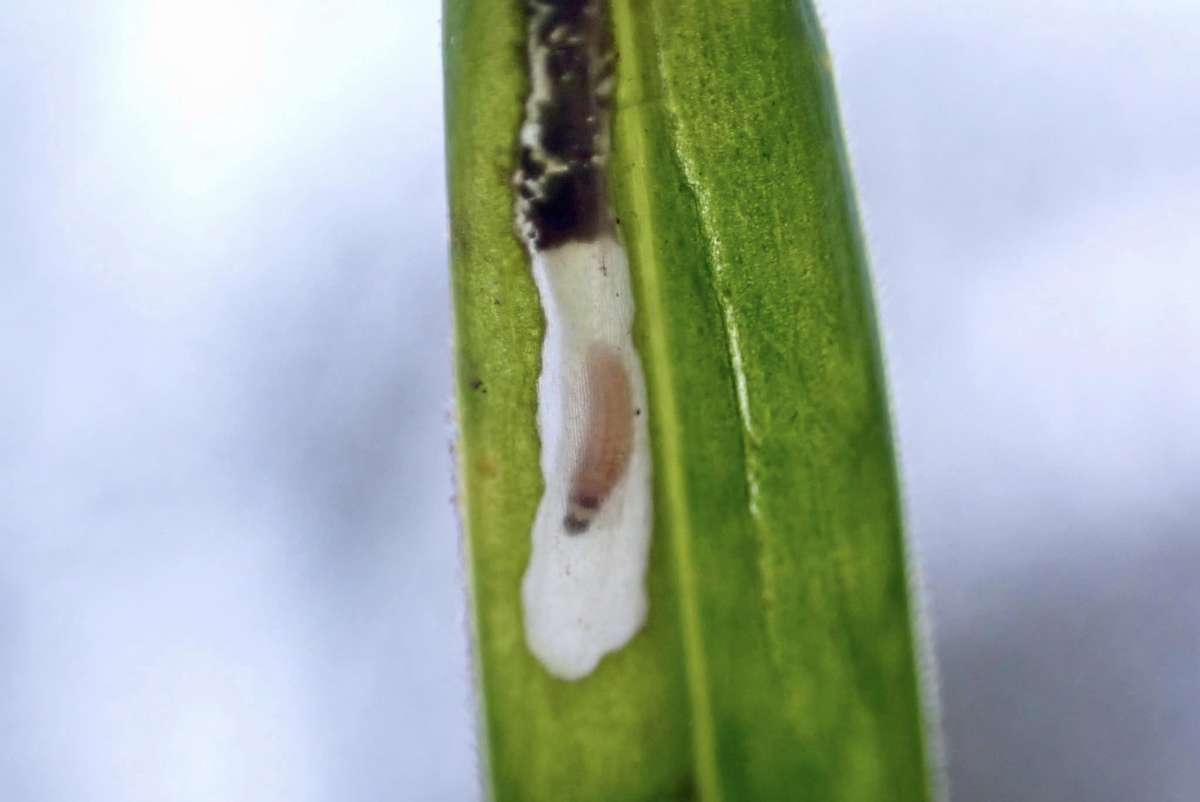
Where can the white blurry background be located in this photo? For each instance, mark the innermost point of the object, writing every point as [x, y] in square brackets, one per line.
[228, 561]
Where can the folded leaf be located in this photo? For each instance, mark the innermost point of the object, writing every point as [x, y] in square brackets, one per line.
[775, 657]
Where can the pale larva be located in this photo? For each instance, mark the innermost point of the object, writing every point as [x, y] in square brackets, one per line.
[607, 438]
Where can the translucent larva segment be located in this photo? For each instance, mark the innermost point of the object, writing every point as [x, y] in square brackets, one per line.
[607, 438]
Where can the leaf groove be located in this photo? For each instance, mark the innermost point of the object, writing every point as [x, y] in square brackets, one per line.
[668, 428]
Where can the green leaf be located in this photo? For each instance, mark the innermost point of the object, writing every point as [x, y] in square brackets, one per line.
[778, 658]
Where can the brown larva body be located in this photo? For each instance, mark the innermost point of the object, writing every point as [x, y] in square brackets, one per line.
[607, 438]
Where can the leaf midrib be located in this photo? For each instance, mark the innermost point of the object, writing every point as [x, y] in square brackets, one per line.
[631, 119]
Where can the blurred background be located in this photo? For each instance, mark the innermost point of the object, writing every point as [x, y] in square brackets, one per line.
[228, 562]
